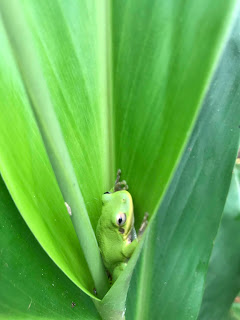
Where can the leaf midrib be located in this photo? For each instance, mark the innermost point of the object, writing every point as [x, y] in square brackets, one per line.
[106, 75]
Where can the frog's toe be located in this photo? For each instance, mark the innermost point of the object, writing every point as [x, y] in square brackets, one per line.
[143, 225]
[118, 176]
[121, 185]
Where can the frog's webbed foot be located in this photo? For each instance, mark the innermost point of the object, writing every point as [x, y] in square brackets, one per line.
[143, 225]
[120, 185]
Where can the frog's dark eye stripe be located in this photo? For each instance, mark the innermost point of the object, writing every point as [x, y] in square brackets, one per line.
[107, 192]
[121, 218]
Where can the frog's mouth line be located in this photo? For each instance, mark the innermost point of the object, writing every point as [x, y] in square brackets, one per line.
[121, 230]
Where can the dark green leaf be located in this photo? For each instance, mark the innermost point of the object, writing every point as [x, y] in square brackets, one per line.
[223, 274]
[31, 285]
[168, 282]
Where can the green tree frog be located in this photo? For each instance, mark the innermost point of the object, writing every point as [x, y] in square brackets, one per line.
[115, 232]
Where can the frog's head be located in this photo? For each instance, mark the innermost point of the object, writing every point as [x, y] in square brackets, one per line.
[118, 210]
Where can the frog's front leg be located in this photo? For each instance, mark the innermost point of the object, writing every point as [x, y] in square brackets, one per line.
[128, 249]
[118, 270]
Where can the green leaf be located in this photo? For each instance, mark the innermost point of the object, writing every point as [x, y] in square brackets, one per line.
[126, 85]
[25, 166]
[31, 285]
[223, 273]
[164, 53]
[54, 142]
[169, 279]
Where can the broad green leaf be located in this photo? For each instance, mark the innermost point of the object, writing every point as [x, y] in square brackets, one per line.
[132, 146]
[223, 273]
[25, 167]
[31, 285]
[168, 281]
[164, 53]
[29, 177]
[126, 84]
[54, 142]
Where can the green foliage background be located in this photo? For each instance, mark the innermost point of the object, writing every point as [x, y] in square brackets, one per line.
[151, 87]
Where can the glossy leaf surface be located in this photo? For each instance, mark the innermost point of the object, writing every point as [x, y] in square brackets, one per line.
[163, 56]
[31, 285]
[126, 80]
[174, 261]
[224, 274]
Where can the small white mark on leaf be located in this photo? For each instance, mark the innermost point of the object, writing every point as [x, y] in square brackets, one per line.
[68, 208]
[29, 306]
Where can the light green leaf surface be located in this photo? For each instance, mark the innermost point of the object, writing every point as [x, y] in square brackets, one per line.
[163, 56]
[126, 80]
[82, 121]
[235, 312]
[29, 177]
[31, 285]
[223, 273]
[40, 101]
[169, 279]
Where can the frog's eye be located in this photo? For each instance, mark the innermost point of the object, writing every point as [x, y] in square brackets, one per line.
[121, 218]
[107, 192]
